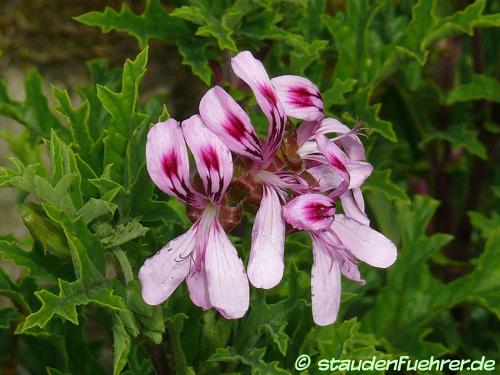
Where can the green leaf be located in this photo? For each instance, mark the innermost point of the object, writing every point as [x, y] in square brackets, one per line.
[459, 137]
[155, 23]
[380, 180]
[78, 121]
[150, 317]
[362, 108]
[64, 304]
[480, 88]
[34, 112]
[122, 108]
[336, 93]
[343, 340]
[124, 233]
[121, 345]
[95, 208]
[486, 225]
[252, 357]
[8, 315]
[36, 264]
[481, 286]
[209, 26]
[175, 325]
[42, 229]
[86, 250]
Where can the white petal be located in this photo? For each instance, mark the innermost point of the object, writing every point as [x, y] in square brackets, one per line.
[364, 243]
[265, 267]
[161, 274]
[226, 278]
[325, 285]
[198, 289]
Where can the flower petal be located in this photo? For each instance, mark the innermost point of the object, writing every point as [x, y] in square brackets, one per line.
[327, 177]
[307, 130]
[225, 118]
[352, 208]
[299, 96]
[167, 161]
[212, 157]
[227, 282]
[359, 171]
[364, 243]
[325, 285]
[310, 212]
[253, 73]
[350, 143]
[198, 289]
[265, 266]
[337, 160]
[161, 274]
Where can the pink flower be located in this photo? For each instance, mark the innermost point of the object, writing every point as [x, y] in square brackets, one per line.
[204, 255]
[338, 243]
[224, 117]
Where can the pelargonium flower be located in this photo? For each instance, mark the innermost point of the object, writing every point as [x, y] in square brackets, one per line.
[204, 255]
[339, 241]
[225, 117]
[299, 162]
[349, 149]
[338, 168]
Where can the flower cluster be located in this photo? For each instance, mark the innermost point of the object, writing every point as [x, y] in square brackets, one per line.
[295, 176]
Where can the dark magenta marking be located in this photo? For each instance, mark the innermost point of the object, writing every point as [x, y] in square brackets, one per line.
[210, 158]
[319, 212]
[235, 127]
[337, 163]
[269, 94]
[170, 164]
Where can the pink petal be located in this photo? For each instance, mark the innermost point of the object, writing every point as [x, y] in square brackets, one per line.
[225, 118]
[253, 73]
[299, 96]
[326, 176]
[337, 160]
[351, 143]
[212, 157]
[227, 282]
[265, 266]
[350, 269]
[310, 212]
[364, 243]
[198, 289]
[161, 274]
[325, 285]
[352, 208]
[167, 161]
[359, 171]
[307, 130]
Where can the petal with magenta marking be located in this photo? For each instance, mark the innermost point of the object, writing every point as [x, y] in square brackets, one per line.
[253, 73]
[337, 160]
[310, 212]
[299, 96]
[213, 159]
[225, 118]
[167, 161]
